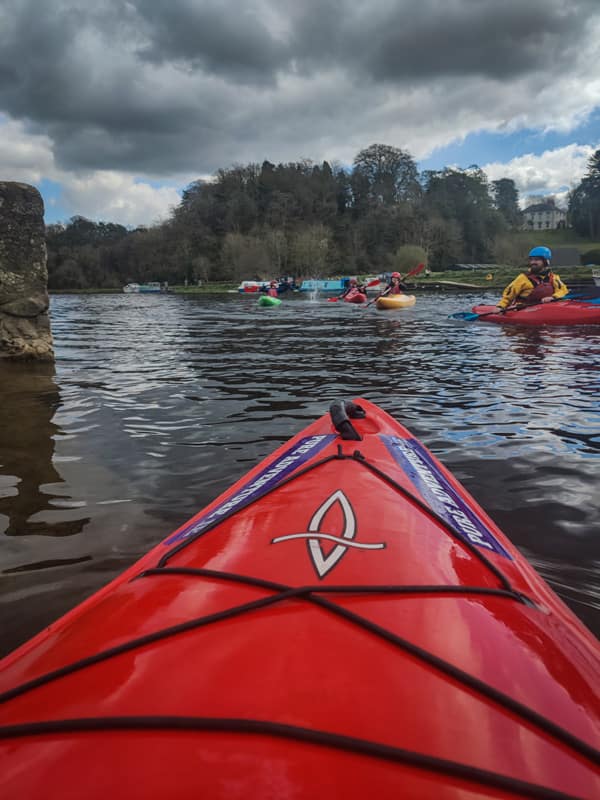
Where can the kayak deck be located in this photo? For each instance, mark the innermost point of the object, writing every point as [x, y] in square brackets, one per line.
[396, 301]
[334, 619]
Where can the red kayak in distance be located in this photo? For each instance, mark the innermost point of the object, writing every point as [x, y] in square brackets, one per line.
[559, 312]
[345, 622]
[354, 296]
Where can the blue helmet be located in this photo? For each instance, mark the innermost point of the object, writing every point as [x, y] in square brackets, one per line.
[541, 252]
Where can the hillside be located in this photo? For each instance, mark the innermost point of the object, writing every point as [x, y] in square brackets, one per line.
[564, 237]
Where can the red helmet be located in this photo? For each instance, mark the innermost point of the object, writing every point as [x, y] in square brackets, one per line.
[273, 283]
[395, 274]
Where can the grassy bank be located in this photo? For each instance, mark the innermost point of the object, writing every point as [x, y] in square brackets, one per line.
[564, 237]
[501, 276]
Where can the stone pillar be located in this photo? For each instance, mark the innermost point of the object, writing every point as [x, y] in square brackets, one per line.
[24, 321]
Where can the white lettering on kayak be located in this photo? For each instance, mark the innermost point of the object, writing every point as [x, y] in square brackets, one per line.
[447, 501]
[266, 480]
[441, 495]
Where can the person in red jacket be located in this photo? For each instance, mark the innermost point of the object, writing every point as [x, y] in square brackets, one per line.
[272, 290]
[395, 286]
[354, 287]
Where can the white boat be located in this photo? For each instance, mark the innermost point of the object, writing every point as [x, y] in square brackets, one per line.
[136, 288]
[283, 285]
[596, 276]
[252, 286]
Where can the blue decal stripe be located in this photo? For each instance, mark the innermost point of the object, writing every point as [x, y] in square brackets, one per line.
[270, 476]
[418, 465]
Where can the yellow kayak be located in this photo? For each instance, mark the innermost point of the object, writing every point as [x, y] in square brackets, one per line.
[392, 301]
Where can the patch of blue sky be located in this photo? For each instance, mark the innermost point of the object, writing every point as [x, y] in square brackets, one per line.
[158, 184]
[54, 210]
[483, 147]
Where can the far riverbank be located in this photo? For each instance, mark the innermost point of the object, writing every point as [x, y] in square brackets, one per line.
[496, 278]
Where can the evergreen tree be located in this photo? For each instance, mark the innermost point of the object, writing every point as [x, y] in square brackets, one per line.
[506, 201]
[584, 201]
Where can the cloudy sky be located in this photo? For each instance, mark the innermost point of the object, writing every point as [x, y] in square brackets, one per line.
[111, 108]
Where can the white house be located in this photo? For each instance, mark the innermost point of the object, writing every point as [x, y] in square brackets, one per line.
[545, 215]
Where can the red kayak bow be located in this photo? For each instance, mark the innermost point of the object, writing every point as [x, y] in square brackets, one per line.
[344, 621]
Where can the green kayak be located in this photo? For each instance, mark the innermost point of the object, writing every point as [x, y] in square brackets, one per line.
[266, 300]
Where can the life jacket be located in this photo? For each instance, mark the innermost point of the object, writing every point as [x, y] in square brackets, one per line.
[543, 286]
[272, 291]
[395, 288]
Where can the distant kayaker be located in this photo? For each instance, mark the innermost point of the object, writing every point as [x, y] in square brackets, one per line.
[272, 290]
[354, 287]
[538, 285]
[395, 286]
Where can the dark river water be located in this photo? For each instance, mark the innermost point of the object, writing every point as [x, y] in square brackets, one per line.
[158, 403]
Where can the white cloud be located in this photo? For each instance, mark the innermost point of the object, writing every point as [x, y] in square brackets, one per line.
[105, 195]
[117, 197]
[554, 172]
[24, 157]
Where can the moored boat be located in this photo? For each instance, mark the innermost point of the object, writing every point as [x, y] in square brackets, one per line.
[251, 287]
[325, 285]
[145, 288]
[343, 621]
[396, 301]
[558, 312]
[284, 284]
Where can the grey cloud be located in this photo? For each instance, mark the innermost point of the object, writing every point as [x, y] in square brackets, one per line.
[404, 40]
[153, 87]
[497, 40]
[225, 39]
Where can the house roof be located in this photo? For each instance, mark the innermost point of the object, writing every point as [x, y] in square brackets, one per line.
[543, 207]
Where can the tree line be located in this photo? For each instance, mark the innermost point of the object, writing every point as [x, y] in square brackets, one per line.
[584, 201]
[301, 219]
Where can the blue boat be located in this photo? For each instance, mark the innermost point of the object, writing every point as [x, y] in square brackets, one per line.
[284, 284]
[145, 288]
[318, 285]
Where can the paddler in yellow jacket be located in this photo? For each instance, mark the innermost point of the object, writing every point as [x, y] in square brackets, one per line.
[539, 285]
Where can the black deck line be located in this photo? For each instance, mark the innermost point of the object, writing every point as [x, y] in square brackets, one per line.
[247, 580]
[286, 593]
[322, 738]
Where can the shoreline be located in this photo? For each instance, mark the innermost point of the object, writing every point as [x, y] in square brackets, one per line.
[450, 280]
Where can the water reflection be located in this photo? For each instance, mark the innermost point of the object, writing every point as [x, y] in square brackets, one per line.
[160, 403]
[31, 487]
